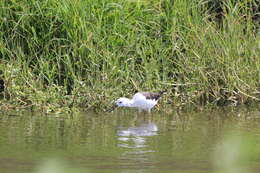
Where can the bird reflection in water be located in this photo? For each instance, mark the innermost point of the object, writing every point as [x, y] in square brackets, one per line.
[137, 143]
[136, 137]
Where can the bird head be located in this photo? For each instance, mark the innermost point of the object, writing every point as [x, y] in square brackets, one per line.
[123, 102]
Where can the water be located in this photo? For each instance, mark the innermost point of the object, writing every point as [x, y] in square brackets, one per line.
[126, 142]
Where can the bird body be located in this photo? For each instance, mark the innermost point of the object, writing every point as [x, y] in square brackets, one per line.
[141, 100]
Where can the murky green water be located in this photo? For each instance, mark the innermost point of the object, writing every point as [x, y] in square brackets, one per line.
[124, 142]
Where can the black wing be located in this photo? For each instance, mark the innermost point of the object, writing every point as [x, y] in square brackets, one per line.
[152, 96]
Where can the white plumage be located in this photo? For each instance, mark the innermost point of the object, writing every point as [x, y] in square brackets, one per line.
[141, 100]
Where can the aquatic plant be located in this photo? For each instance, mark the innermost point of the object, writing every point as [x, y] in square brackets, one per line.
[62, 53]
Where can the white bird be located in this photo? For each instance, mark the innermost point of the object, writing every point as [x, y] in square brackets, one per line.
[141, 100]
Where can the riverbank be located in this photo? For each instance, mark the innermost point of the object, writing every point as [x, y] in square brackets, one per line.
[84, 54]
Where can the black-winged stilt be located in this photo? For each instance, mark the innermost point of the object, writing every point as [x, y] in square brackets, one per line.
[141, 100]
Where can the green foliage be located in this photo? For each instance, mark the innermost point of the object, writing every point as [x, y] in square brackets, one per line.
[85, 53]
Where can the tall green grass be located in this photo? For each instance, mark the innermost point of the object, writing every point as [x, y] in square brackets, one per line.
[85, 53]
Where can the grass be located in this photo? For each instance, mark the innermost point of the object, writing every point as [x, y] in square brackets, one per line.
[62, 54]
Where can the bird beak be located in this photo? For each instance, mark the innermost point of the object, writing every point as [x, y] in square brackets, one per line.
[112, 108]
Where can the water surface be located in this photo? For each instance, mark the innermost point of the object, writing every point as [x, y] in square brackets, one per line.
[125, 142]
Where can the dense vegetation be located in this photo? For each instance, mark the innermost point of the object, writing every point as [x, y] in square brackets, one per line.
[85, 53]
